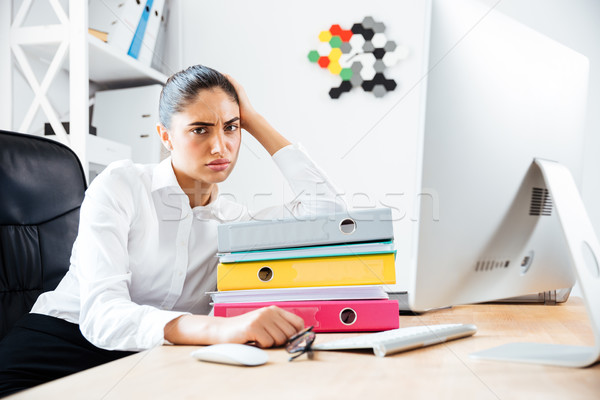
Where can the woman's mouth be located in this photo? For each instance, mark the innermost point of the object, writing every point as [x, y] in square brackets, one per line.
[219, 164]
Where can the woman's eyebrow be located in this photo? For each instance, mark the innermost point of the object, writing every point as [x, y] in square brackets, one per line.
[200, 123]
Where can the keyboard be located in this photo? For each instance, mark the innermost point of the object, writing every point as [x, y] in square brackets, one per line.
[397, 340]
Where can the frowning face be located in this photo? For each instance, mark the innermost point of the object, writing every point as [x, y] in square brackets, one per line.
[205, 138]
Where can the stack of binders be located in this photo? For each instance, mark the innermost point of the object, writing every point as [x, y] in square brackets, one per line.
[327, 269]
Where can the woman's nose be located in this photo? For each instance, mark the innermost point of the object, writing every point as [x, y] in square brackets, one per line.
[218, 144]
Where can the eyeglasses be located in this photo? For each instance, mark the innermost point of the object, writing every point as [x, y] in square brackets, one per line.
[301, 343]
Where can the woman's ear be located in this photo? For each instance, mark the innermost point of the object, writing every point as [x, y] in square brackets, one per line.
[164, 136]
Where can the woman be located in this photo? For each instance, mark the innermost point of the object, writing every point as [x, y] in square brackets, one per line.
[145, 254]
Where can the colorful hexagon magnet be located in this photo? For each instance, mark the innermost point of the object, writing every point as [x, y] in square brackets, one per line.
[313, 56]
[390, 46]
[335, 30]
[346, 74]
[368, 22]
[346, 35]
[379, 40]
[323, 62]
[379, 90]
[357, 42]
[378, 27]
[346, 47]
[359, 56]
[335, 42]
[335, 54]
[367, 72]
[379, 66]
[325, 36]
[334, 67]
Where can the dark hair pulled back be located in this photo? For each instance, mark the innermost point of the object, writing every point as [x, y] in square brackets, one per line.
[183, 87]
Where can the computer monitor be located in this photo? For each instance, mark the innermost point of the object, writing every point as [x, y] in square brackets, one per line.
[499, 96]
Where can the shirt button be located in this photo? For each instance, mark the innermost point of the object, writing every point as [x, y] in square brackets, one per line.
[182, 243]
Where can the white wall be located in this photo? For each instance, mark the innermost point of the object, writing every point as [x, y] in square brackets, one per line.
[367, 145]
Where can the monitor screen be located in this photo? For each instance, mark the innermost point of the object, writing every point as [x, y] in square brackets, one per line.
[499, 95]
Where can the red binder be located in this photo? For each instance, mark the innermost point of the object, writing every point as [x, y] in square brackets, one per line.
[329, 315]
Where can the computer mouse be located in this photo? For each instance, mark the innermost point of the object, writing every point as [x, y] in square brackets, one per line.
[232, 353]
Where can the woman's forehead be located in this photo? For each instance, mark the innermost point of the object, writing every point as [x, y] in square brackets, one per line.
[212, 104]
[214, 98]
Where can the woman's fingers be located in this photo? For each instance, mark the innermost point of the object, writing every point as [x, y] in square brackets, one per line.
[274, 326]
[267, 326]
[277, 335]
[236, 85]
[289, 323]
[296, 321]
[263, 338]
[247, 112]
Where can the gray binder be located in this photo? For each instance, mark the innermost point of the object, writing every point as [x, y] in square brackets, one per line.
[348, 227]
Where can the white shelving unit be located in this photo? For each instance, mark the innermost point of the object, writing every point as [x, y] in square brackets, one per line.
[86, 57]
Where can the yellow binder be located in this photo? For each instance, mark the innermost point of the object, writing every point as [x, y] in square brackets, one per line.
[366, 269]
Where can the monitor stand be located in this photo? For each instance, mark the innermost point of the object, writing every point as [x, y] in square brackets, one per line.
[585, 253]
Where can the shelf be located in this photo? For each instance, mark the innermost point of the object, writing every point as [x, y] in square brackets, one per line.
[111, 67]
[108, 66]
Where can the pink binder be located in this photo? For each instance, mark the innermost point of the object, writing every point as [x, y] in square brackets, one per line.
[329, 315]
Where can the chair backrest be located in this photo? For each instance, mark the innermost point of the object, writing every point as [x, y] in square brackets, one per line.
[42, 185]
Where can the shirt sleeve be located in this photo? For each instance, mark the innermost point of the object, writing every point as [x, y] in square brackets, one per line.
[314, 193]
[109, 319]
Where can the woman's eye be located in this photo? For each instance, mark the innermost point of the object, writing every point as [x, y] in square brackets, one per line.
[199, 131]
[231, 128]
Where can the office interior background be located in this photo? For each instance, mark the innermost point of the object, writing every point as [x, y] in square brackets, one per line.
[264, 45]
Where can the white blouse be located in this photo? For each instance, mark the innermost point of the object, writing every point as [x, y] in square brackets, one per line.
[143, 257]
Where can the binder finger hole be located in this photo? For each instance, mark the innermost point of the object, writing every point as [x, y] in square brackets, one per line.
[265, 274]
[347, 226]
[348, 316]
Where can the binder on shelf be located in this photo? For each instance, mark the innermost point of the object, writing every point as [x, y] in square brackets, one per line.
[155, 18]
[360, 292]
[329, 315]
[120, 18]
[140, 31]
[367, 269]
[313, 251]
[349, 227]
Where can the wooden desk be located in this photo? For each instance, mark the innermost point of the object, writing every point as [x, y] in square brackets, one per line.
[442, 371]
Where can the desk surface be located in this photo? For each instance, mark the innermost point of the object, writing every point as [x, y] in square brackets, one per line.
[441, 371]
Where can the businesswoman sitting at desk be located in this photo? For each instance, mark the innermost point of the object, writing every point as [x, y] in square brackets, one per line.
[145, 253]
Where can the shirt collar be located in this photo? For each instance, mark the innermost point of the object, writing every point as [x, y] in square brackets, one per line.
[164, 177]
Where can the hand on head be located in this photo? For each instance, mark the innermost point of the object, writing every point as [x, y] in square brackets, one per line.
[247, 112]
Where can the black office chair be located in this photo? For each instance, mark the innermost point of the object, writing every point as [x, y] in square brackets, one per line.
[42, 185]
